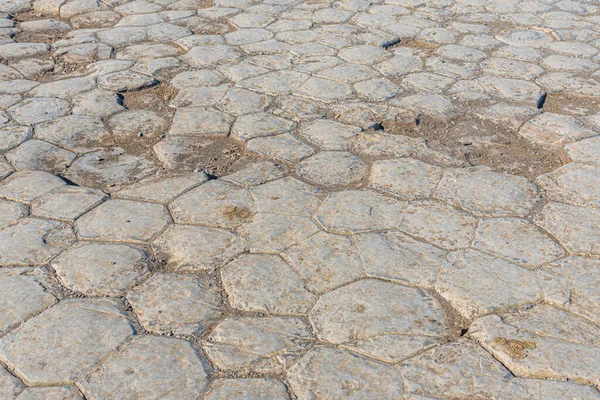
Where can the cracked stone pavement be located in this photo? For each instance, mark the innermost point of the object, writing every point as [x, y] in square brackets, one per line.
[340, 262]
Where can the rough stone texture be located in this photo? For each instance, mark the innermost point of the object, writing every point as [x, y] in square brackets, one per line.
[66, 203]
[265, 344]
[406, 178]
[94, 329]
[149, 367]
[265, 283]
[246, 389]
[101, 269]
[170, 303]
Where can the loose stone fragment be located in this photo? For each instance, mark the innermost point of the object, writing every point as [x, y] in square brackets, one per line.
[76, 334]
[265, 283]
[180, 304]
[149, 367]
[101, 269]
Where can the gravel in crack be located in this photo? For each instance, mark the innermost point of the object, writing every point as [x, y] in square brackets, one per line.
[483, 143]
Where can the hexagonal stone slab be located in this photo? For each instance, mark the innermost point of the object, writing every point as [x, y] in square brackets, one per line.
[574, 183]
[272, 233]
[543, 343]
[275, 83]
[584, 151]
[256, 173]
[324, 90]
[38, 155]
[123, 220]
[199, 121]
[517, 240]
[10, 212]
[379, 319]
[33, 242]
[148, 367]
[395, 256]
[67, 203]
[262, 344]
[330, 135]
[405, 177]
[287, 196]
[246, 389]
[499, 285]
[459, 370]
[358, 211]
[210, 54]
[23, 293]
[333, 168]
[214, 204]
[80, 133]
[576, 228]
[337, 374]
[28, 185]
[549, 129]
[520, 388]
[36, 110]
[172, 303]
[260, 124]
[265, 283]
[196, 248]
[439, 224]
[101, 269]
[76, 335]
[162, 189]
[485, 191]
[283, 147]
[325, 261]
[573, 284]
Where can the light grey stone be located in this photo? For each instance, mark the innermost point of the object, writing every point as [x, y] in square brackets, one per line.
[77, 133]
[247, 389]
[36, 110]
[28, 185]
[283, 147]
[66, 203]
[549, 129]
[333, 168]
[36, 155]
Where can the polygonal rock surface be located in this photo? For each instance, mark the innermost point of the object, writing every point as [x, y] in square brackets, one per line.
[358, 210]
[541, 389]
[405, 177]
[23, 293]
[75, 132]
[337, 374]
[256, 173]
[123, 220]
[367, 316]
[33, 242]
[330, 135]
[550, 129]
[28, 185]
[485, 191]
[499, 284]
[573, 284]
[36, 110]
[162, 190]
[194, 248]
[396, 256]
[10, 386]
[287, 196]
[459, 370]
[38, 155]
[50, 393]
[333, 168]
[101, 269]
[577, 228]
[325, 261]
[517, 240]
[439, 224]
[214, 204]
[261, 124]
[584, 151]
[272, 233]
[66, 202]
[265, 283]
[76, 335]
[148, 367]
[10, 212]
[543, 343]
[261, 343]
[283, 147]
[574, 183]
[246, 389]
[181, 304]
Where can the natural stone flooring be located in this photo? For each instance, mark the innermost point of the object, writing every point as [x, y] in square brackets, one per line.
[337, 261]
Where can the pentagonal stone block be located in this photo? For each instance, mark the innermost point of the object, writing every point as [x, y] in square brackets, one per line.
[195, 248]
[543, 343]
[33, 242]
[327, 372]
[170, 303]
[23, 292]
[265, 283]
[123, 220]
[101, 269]
[262, 344]
[368, 316]
[148, 367]
[499, 285]
[76, 335]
